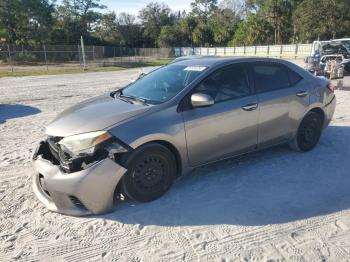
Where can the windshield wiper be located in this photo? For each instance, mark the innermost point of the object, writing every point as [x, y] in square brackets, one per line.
[127, 98]
[117, 95]
[135, 98]
[114, 94]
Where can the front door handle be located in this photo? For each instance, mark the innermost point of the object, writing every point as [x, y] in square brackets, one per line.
[302, 93]
[250, 107]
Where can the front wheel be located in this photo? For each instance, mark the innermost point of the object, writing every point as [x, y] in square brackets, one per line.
[151, 172]
[309, 133]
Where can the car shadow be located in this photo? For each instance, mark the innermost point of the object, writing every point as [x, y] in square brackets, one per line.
[268, 187]
[8, 111]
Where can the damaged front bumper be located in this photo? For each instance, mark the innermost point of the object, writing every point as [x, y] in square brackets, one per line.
[88, 191]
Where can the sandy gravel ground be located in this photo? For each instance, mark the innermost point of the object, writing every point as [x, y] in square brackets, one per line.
[275, 205]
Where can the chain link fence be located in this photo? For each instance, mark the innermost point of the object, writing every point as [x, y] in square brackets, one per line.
[65, 57]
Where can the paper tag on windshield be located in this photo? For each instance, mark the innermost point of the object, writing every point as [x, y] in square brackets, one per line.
[195, 68]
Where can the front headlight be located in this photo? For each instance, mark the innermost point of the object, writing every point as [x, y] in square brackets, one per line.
[84, 143]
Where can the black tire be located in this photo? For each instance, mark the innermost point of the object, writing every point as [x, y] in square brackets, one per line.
[309, 132]
[151, 172]
[347, 68]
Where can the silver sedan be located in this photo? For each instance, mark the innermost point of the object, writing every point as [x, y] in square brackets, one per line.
[136, 141]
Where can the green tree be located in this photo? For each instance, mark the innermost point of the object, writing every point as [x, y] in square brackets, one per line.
[129, 30]
[107, 29]
[322, 19]
[253, 31]
[202, 34]
[187, 25]
[278, 13]
[172, 35]
[2, 35]
[26, 21]
[153, 17]
[236, 6]
[76, 18]
[223, 23]
[204, 8]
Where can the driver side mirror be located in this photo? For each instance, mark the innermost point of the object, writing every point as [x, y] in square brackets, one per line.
[139, 77]
[201, 100]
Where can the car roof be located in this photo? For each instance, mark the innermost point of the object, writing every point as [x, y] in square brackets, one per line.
[197, 60]
[181, 58]
[340, 39]
[216, 61]
[211, 61]
[332, 40]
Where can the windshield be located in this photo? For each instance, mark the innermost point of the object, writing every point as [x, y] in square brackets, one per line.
[162, 84]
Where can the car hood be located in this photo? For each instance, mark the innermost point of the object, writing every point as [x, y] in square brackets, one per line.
[94, 114]
[330, 49]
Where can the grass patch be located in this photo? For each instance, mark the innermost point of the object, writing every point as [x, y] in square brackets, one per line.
[156, 62]
[88, 70]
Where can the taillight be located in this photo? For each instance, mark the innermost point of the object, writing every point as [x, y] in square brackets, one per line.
[331, 87]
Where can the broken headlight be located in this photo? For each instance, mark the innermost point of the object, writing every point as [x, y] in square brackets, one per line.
[84, 144]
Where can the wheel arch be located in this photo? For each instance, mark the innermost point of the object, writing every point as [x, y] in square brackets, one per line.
[312, 108]
[166, 144]
[294, 142]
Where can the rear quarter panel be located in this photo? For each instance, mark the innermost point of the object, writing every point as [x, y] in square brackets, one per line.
[322, 97]
[319, 95]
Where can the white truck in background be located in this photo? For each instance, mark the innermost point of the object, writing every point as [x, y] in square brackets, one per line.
[329, 58]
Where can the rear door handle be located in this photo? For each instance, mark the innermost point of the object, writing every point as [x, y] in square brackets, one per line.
[302, 93]
[250, 107]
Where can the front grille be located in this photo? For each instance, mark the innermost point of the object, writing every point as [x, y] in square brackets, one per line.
[76, 202]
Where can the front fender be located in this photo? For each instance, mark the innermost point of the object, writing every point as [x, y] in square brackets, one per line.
[165, 125]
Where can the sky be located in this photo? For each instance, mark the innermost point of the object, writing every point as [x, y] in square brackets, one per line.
[133, 6]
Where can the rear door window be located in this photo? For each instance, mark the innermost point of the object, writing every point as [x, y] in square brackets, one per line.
[294, 77]
[269, 76]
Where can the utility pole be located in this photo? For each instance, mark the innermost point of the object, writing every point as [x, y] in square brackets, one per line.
[83, 52]
[45, 56]
[10, 59]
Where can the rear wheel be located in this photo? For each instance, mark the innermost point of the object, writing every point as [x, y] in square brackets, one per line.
[309, 133]
[151, 171]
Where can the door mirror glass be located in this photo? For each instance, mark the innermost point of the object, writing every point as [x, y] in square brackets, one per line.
[201, 100]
